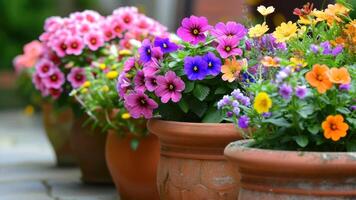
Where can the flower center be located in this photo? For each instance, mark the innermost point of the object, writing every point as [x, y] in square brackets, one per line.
[143, 102]
[74, 45]
[54, 77]
[165, 45]
[45, 68]
[210, 64]
[117, 29]
[263, 102]
[148, 51]
[333, 127]
[195, 68]
[127, 19]
[78, 77]
[171, 87]
[63, 46]
[195, 31]
[227, 48]
[93, 41]
[108, 34]
[319, 77]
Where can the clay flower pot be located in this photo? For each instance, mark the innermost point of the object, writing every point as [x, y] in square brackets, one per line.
[88, 147]
[272, 174]
[134, 171]
[57, 125]
[192, 164]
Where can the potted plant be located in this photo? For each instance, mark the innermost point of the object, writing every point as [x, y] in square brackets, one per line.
[131, 153]
[176, 83]
[304, 116]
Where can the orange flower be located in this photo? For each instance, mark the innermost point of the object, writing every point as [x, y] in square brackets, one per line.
[231, 69]
[318, 78]
[334, 127]
[339, 75]
[268, 61]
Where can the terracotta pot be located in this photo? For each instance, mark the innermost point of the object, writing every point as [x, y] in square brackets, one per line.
[285, 175]
[89, 149]
[192, 165]
[134, 171]
[57, 125]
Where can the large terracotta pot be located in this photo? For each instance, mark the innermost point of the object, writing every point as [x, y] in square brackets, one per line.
[285, 175]
[192, 165]
[133, 171]
[57, 125]
[88, 146]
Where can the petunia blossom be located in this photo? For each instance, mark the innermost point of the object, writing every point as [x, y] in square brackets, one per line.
[193, 29]
[170, 87]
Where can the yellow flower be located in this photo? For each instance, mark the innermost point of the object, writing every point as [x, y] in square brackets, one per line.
[297, 62]
[258, 30]
[105, 88]
[301, 30]
[285, 31]
[102, 66]
[231, 69]
[86, 84]
[29, 110]
[125, 52]
[268, 61]
[265, 11]
[125, 116]
[262, 103]
[84, 90]
[306, 20]
[112, 74]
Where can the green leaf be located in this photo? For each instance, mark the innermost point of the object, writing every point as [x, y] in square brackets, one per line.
[306, 111]
[201, 92]
[189, 86]
[278, 122]
[196, 106]
[352, 121]
[220, 90]
[134, 144]
[302, 140]
[213, 116]
[172, 64]
[343, 110]
[314, 129]
[183, 105]
[351, 146]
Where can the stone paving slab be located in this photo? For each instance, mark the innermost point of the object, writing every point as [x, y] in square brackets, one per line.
[27, 165]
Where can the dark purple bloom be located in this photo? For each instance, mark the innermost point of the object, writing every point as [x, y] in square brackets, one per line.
[243, 121]
[139, 104]
[228, 47]
[165, 45]
[301, 91]
[345, 87]
[139, 81]
[229, 114]
[230, 29]
[195, 67]
[285, 91]
[151, 83]
[77, 77]
[145, 51]
[193, 29]
[170, 86]
[353, 108]
[214, 64]
[248, 45]
[337, 50]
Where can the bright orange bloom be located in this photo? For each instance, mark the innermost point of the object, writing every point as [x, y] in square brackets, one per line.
[318, 78]
[339, 75]
[268, 61]
[334, 127]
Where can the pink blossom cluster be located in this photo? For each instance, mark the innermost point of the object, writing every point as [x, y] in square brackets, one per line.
[32, 52]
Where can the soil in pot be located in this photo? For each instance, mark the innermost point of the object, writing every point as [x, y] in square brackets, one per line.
[285, 175]
[57, 125]
[88, 146]
[192, 165]
[133, 171]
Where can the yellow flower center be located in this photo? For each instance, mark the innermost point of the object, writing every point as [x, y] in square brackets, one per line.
[164, 45]
[195, 68]
[228, 48]
[195, 31]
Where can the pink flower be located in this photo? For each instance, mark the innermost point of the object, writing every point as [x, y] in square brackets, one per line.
[84, 28]
[33, 49]
[228, 47]
[77, 77]
[45, 68]
[107, 31]
[123, 85]
[54, 80]
[230, 29]
[55, 92]
[37, 81]
[139, 81]
[129, 64]
[75, 45]
[118, 27]
[193, 29]
[60, 47]
[151, 83]
[139, 104]
[127, 14]
[94, 40]
[170, 86]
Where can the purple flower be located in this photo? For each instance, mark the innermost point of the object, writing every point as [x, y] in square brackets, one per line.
[139, 104]
[170, 86]
[54, 80]
[77, 77]
[314, 48]
[44, 68]
[282, 74]
[139, 81]
[123, 84]
[236, 111]
[145, 51]
[228, 47]
[245, 101]
[229, 114]
[301, 91]
[195, 67]
[193, 28]
[353, 108]
[165, 45]
[248, 45]
[224, 101]
[345, 87]
[285, 91]
[230, 29]
[337, 50]
[129, 64]
[326, 47]
[269, 43]
[156, 56]
[214, 64]
[151, 83]
[243, 121]
[266, 114]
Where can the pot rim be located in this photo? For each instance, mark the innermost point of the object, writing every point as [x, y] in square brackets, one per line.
[190, 123]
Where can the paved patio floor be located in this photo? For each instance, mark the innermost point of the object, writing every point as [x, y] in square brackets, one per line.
[27, 165]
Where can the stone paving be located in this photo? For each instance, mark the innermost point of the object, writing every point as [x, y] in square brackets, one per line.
[27, 165]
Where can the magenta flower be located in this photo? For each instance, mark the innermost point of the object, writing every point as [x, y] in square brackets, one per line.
[139, 104]
[230, 29]
[170, 86]
[60, 47]
[44, 68]
[129, 64]
[75, 45]
[54, 80]
[77, 77]
[151, 83]
[94, 40]
[139, 81]
[55, 92]
[228, 47]
[193, 29]
[123, 85]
